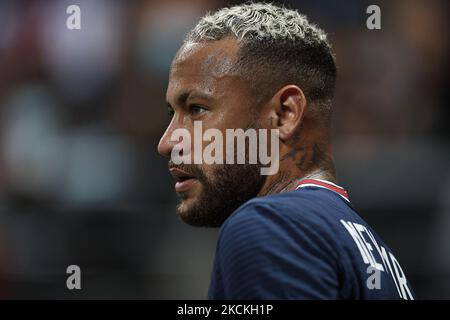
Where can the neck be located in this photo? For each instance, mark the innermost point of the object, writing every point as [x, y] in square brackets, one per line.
[313, 162]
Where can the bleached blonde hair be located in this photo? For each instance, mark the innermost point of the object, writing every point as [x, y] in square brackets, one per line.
[256, 20]
[278, 46]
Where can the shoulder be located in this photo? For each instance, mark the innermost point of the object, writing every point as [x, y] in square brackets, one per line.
[268, 242]
[281, 221]
[285, 211]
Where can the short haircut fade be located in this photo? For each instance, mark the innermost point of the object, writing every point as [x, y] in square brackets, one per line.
[278, 47]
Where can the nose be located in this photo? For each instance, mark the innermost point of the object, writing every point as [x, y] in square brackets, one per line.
[165, 144]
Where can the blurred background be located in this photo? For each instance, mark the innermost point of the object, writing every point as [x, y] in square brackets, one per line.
[81, 113]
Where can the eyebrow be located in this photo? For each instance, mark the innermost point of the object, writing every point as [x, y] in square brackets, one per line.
[185, 96]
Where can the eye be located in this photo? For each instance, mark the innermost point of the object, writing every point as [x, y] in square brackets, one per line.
[196, 109]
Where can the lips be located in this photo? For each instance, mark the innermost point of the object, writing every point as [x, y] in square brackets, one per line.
[183, 180]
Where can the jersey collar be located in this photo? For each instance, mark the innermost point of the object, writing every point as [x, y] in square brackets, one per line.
[319, 183]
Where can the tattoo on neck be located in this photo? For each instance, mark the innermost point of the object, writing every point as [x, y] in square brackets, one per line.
[298, 156]
[308, 158]
[281, 182]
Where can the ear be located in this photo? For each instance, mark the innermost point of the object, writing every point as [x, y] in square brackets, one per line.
[288, 109]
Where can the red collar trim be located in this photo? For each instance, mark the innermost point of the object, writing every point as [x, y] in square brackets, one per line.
[323, 184]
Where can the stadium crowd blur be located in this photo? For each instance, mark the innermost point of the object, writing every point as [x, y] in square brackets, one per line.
[81, 113]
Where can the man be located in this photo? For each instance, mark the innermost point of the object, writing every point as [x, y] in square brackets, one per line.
[293, 234]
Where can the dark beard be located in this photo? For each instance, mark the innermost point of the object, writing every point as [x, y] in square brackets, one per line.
[233, 185]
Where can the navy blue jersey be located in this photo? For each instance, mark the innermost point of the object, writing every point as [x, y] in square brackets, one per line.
[304, 244]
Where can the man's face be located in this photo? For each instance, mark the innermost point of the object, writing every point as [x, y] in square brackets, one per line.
[203, 87]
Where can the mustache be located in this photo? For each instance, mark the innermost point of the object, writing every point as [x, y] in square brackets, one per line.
[190, 169]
